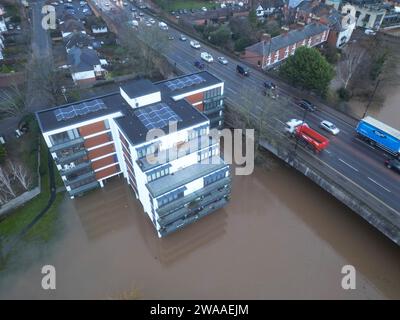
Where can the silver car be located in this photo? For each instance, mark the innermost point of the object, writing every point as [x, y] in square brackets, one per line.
[330, 127]
[222, 60]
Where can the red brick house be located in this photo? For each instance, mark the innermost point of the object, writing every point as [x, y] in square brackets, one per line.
[270, 52]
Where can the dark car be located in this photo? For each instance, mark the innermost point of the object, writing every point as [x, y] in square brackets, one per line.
[242, 71]
[269, 85]
[305, 104]
[393, 164]
[199, 65]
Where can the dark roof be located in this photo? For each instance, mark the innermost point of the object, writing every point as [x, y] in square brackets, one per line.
[209, 78]
[129, 123]
[139, 88]
[82, 59]
[79, 40]
[72, 25]
[294, 36]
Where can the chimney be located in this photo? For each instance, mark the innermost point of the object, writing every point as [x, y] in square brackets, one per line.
[266, 37]
[285, 30]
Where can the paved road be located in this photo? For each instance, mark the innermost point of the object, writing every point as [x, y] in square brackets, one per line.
[347, 154]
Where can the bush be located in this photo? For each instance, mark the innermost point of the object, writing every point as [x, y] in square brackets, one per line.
[221, 36]
[242, 43]
[344, 94]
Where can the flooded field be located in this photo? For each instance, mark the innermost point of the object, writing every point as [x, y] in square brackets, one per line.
[281, 236]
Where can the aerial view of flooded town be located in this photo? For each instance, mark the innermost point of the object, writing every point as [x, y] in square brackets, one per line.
[195, 149]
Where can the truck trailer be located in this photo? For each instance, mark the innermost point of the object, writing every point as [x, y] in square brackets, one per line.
[317, 141]
[379, 134]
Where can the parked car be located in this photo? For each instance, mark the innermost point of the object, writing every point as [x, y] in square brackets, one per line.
[152, 21]
[370, 32]
[206, 57]
[393, 164]
[195, 44]
[305, 104]
[182, 37]
[204, 9]
[330, 127]
[2, 140]
[269, 85]
[242, 71]
[199, 65]
[170, 37]
[222, 60]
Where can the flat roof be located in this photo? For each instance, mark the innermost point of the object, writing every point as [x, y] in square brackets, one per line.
[129, 123]
[180, 178]
[384, 127]
[209, 78]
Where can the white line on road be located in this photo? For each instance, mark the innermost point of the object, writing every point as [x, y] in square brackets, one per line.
[348, 164]
[327, 151]
[233, 91]
[379, 184]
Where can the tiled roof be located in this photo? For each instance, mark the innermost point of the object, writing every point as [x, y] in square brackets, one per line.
[284, 40]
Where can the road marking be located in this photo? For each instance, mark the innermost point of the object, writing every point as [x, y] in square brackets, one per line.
[279, 121]
[233, 91]
[327, 151]
[348, 164]
[379, 184]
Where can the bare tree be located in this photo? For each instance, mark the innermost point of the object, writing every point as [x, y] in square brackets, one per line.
[19, 171]
[352, 57]
[5, 182]
[12, 100]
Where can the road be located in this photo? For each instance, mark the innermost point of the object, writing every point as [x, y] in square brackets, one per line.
[358, 161]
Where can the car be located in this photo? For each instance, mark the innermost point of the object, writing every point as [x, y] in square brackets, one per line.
[148, 24]
[152, 21]
[393, 164]
[141, 14]
[171, 37]
[370, 32]
[204, 9]
[269, 85]
[329, 126]
[185, 11]
[242, 71]
[207, 57]
[199, 65]
[195, 44]
[133, 9]
[125, 3]
[305, 104]
[182, 37]
[222, 60]
[142, 6]
[173, 13]
[177, 17]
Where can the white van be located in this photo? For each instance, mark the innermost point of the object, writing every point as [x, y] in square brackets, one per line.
[162, 26]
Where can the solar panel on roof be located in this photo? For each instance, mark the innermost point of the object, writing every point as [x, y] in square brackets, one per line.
[80, 109]
[157, 116]
[184, 82]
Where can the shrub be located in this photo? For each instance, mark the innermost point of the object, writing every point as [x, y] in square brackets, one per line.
[344, 94]
[242, 43]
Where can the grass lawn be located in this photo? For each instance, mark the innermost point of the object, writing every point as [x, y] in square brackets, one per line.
[22, 216]
[174, 5]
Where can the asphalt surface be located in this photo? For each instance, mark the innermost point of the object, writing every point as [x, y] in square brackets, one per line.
[347, 154]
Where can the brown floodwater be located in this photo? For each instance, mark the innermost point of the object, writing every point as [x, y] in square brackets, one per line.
[281, 236]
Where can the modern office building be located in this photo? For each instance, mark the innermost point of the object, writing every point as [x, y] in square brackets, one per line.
[178, 176]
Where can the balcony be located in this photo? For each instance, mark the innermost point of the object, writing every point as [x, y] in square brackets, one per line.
[173, 154]
[72, 157]
[216, 98]
[180, 202]
[186, 221]
[66, 144]
[80, 178]
[84, 188]
[184, 176]
[195, 206]
[214, 109]
[76, 168]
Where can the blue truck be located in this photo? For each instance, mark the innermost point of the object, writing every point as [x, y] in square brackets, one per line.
[379, 134]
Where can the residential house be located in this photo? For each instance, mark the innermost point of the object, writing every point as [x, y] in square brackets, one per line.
[78, 40]
[178, 177]
[98, 29]
[85, 65]
[271, 51]
[369, 13]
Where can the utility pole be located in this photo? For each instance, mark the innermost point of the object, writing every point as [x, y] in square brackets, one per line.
[371, 97]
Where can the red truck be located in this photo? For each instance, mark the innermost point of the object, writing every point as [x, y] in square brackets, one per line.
[312, 137]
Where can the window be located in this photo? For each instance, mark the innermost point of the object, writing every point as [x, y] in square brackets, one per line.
[197, 132]
[147, 149]
[64, 136]
[172, 196]
[158, 173]
[212, 93]
[215, 177]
